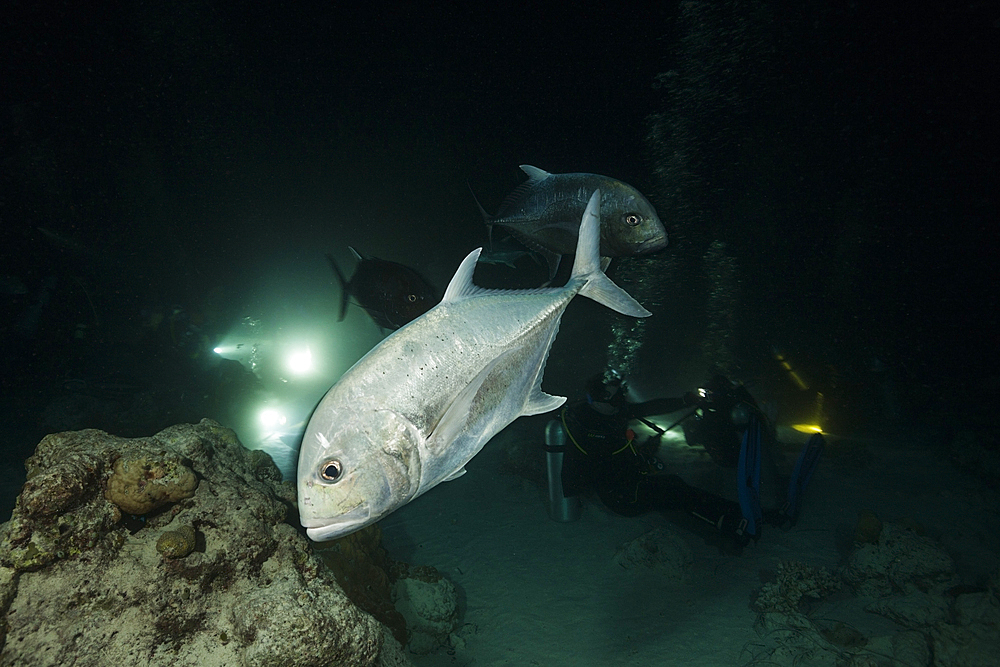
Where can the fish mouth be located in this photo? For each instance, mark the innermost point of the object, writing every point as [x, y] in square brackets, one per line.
[320, 529]
[651, 245]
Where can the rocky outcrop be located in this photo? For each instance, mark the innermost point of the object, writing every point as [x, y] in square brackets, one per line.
[170, 550]
[899, 574]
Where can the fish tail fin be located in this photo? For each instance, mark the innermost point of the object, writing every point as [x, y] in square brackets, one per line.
[587, 266]
[487, 218]
[343, 286]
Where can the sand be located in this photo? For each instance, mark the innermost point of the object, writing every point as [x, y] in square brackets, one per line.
[538, 592]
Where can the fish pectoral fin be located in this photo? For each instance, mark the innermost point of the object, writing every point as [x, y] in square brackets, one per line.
[541, 403]
[455, 418]
[455, 475]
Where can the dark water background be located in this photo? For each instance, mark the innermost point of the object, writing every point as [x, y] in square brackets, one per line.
[826, 172]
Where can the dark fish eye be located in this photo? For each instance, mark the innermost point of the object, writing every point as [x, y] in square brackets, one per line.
[632, 219]
[331, 470]
[411, 298]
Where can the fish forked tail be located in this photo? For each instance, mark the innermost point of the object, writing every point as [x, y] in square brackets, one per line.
[587, 266]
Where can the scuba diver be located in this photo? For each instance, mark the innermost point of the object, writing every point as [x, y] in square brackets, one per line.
[592, 449]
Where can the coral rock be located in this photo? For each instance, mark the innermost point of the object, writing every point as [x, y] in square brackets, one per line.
[900, 562]
[143, 481]
[429, 603]
[80, 579]
[177, 543]
[365, 573]
[795, 581]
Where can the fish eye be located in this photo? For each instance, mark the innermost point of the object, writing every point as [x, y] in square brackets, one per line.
[632, 219]
[411, 298]
[331, 470]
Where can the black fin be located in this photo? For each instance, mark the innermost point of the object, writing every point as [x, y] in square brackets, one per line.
[487, 218]
[552, 260]
[516, 196]
[344, 293]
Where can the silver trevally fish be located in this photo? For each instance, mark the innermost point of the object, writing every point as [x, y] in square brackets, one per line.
[415, 409]
[544, 214]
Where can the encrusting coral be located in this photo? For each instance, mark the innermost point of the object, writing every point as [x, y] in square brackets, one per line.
[795, 581]
[140, 483]
[177, 543]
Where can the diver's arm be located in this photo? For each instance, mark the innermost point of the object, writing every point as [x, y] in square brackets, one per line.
[659, 406]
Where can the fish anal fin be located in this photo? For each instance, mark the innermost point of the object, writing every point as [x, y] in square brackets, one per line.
[541, 403]
[552, 261]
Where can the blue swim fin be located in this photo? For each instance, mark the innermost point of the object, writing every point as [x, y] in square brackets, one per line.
[748, 478]
[804, 469]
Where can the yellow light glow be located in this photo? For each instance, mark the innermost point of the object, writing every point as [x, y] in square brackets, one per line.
[807, 428]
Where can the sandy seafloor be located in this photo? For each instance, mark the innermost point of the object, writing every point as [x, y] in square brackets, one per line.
[537, 592]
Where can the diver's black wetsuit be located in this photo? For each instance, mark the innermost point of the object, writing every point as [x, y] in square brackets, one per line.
[602, 457]
[724, 411]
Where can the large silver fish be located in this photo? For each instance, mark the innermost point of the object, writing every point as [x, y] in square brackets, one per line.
[544, 214]
[414, 410]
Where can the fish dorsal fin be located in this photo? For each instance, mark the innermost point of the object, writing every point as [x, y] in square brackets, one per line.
[357, 255]
[534, 173]
[461, 283]
[513, 201]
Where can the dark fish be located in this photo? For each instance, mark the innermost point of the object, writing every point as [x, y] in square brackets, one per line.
[507, 252]
[392, 294]
[544, 213]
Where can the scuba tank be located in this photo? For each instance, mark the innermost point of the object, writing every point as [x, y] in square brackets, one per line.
[561, 508]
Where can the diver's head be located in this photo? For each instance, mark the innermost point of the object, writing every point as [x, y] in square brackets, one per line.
[607, 389]
[719, 389]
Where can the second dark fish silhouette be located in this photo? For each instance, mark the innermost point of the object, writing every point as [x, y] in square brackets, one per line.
[391, 293]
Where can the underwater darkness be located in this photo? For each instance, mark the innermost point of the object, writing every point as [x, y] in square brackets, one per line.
[173, 174]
